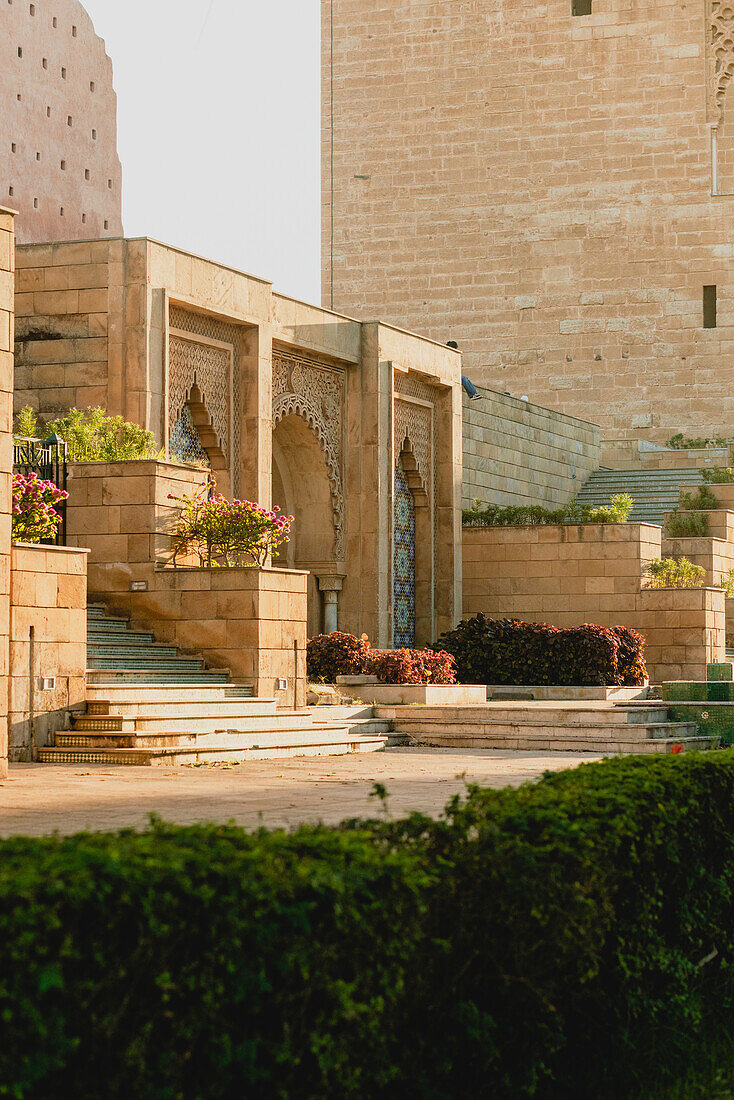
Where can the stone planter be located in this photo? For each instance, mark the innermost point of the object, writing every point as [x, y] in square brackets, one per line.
[388, 695]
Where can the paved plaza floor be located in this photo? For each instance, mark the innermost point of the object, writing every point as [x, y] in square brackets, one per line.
[37, 799]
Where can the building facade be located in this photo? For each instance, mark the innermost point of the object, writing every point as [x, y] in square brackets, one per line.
[354, 429]
[58, 123]
[550, 185]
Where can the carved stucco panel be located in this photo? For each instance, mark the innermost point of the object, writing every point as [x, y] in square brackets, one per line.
[192, 363]
[720, 47]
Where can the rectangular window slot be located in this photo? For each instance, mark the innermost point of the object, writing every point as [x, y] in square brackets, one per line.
[580, 7]
[709, 307]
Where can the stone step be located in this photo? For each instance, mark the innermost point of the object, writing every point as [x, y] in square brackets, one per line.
[558, 740]
[169, 757]
[539, 712]
[128, 700]
[127, 650]
[218, 717]
[475, 734]
[265, 736]
[118, 637]
[140, 677]
[127, 663]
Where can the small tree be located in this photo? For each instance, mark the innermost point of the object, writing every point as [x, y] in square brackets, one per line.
[223, 532]
[34, 516]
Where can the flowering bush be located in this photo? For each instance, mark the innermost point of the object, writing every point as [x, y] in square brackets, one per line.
[225, 532]
[412, 666]
[34, 514]
[337, 654]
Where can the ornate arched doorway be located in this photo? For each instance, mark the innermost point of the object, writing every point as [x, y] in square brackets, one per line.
[302, 488]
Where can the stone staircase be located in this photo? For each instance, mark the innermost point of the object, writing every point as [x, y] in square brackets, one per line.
[654, 492]
[148, 705]
[601, 727]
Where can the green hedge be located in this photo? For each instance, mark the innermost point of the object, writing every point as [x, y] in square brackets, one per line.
[571, 938]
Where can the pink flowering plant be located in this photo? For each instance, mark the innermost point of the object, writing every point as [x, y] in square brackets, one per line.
[35, 518]
[221, 532]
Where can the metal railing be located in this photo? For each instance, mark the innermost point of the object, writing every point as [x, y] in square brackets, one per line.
[48, 459]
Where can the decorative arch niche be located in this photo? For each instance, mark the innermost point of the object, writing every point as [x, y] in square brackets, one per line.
[302, 487]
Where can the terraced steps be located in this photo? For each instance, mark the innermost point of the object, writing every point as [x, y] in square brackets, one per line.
[148, 706]
[654, 492]
[546, 726]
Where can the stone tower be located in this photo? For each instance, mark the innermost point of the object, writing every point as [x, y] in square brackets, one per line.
[549, 184]
[58, 123]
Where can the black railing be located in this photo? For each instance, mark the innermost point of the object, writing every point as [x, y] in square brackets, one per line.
[47, 458]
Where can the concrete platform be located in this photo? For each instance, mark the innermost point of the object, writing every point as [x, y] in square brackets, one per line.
[39, 799]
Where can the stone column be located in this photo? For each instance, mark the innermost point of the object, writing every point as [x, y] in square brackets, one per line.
[7, 294]
[256, 386]
[331, 587]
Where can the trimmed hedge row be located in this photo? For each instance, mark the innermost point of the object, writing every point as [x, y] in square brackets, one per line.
[504, 651]
[570, 938]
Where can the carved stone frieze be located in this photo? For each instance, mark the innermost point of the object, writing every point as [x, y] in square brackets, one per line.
[720, 56]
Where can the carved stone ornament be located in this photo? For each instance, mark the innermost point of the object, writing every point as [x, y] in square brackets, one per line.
[720, 56]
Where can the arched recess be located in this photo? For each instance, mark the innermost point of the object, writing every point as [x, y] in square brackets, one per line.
[302, 489]
[194, 439]
[412, 564]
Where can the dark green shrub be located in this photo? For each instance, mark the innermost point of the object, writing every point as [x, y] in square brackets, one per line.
[719, 475]
[687, 525]
[702, 500]
[567, 939]
[617, 511]
[501, 651]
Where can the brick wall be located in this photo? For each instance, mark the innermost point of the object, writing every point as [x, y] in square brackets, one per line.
[537, 187]
[570, 575]
[518, 453]
[49, 597]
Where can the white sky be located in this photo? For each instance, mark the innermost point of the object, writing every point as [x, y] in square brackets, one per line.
[218, 129]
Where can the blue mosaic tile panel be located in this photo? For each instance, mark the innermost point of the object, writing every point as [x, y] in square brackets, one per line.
[403, 563]
[185, 444]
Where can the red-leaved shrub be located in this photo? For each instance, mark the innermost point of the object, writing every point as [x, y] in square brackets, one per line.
[337, 654]
[412, 666]
[503, 651]
[631, 666]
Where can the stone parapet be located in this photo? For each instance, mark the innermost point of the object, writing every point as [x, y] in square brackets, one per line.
[48, 643]
[570, 575]
[251, 621]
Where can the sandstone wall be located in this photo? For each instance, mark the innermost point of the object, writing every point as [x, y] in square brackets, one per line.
[48, 638]
[7, 267]
[518, 453]
[570, 575]
[538, 187]
[58, 128]
[247, 620]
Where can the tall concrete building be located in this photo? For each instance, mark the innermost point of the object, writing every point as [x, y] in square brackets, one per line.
[59, 166]
[549, 184]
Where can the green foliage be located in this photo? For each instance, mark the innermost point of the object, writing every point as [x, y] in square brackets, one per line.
[674, 573]
[567, 939]
[719, 475]
[699, 501]
[727, 583]
[682, 525]
[679, 442]
[91, 435]
[498, 651]
[617, 511]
